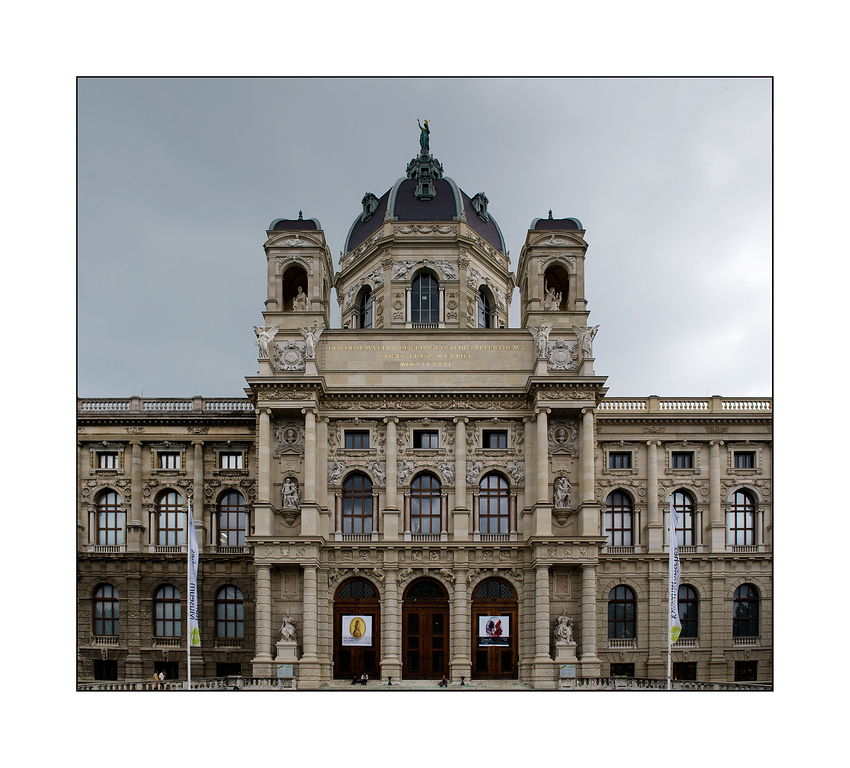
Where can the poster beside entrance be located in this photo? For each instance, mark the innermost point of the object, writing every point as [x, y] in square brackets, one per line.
[357, 630]
[494, 630]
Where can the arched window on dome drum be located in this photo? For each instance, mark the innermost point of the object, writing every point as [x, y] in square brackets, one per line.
[425, 504]
[229, 613]
[745, 611]
[231, 520]
[619, 520]
[688, 611]
[357, 503]
[425, 299]
[684, 506]
[364, 308]
[106, 611]
[741, 523]
[493, 503]
[484, 310]
[110, 520]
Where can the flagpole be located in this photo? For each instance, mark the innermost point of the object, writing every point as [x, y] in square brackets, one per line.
[189, 596]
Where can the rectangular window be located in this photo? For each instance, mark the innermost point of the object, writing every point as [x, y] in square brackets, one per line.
[746, 671]
[620, 460]
[683, 460]
[169, 460]
[684, 670]
[495, 438]
[230, 460]
[105, 669]
[425, 439]
[745, 460]
[622, 670]
[357, 439]
[107, 461]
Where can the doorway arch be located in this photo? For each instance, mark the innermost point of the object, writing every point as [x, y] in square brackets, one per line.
[494, 630]
[425, 630]
[357, 624]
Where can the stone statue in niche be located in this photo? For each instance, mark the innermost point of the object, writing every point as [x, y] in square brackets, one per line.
[287, 630]
[564, 629]
[562, 493]
[585, 337]
[264, 338]
[299, 303]
[552, 300]
[290, 494]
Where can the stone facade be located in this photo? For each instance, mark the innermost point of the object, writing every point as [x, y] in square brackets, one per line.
[427, 468]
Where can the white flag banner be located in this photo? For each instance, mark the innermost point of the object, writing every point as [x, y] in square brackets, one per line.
[675, 623]
[194, 636]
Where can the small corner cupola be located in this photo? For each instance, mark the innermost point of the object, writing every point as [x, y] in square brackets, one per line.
[479, 203]
[370, 205]
[425, 168]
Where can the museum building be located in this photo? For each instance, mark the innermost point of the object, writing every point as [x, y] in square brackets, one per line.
[425, 491]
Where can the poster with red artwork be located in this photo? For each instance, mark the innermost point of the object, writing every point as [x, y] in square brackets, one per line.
[494, 630]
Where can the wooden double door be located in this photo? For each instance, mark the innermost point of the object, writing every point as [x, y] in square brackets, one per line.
[425, 631]
[494, 631]
[357, 631]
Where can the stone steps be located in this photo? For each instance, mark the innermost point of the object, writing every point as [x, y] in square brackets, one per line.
[428, 685]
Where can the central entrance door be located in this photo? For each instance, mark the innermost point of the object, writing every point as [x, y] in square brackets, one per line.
[425, 631]
[494, 631]
[357, 621]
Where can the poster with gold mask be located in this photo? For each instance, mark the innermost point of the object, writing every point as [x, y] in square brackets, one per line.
[357, 630]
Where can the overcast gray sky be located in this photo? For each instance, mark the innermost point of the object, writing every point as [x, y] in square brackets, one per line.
[179, 178]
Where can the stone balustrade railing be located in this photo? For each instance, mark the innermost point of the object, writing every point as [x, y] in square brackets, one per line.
[655, 404]
[652, 684]
[202, 684]
[153, 405]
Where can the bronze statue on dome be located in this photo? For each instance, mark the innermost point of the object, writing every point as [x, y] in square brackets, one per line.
[424, 137]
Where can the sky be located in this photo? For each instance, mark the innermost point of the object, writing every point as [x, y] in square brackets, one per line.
[178, 179]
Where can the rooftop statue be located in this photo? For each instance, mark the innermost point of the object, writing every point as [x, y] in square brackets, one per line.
[424, 138]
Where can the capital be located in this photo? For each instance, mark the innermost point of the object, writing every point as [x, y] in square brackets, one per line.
[460, 419]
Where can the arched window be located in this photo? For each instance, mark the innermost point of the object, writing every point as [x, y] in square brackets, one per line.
[364, 307]
[425, 299]
[493, 504]
[688, 611]
[110, 519]
[484, 310]
[169, 519]
[745, 612]
[106, 611]
[618, 520]
[229, 613]
[425, 504]
[357, 504]
[684, 506]
[167, 612]
[621, 612]
[231, 520]
[741, 523]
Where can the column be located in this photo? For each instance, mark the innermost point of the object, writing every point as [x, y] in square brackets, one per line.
[390, 513]
[309, 506]
[198, 494]
[588, 510]
[460, 514]
[136, 525]
[322, 466]
[655, 526]
[262, 507]
[391, 627]
[543, 675]
[309, 668]
[590, 662]
[542, 456]
[460, 662]
[262, 661]
[716, 522]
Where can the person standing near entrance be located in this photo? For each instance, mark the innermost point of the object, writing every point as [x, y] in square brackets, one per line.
[444, 683]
